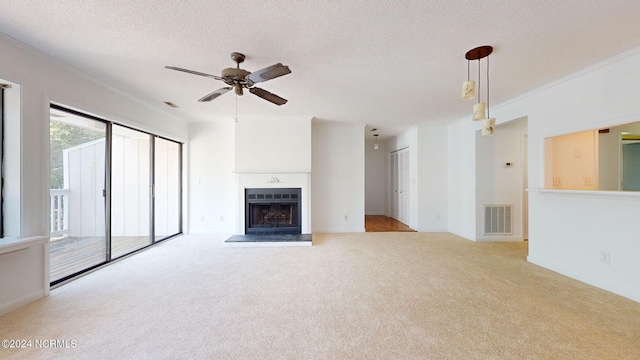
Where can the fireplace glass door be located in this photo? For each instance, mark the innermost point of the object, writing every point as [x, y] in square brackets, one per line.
[272, 211]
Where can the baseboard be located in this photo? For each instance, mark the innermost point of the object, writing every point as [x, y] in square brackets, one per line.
[22, 301]
[209, 232]
[499, 238]
[591, 280]
[338, 231]
[464, 236]
[432, 230]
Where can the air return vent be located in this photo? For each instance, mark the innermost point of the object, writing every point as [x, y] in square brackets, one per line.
[498, 219]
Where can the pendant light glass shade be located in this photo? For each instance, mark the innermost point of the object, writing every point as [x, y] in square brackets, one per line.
[488, 126]
[468, 90]
[479, 111]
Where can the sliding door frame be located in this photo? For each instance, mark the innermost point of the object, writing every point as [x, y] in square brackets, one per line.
[107, 192]
[2, 119]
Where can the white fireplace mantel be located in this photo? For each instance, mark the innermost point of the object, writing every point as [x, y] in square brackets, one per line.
[252, 180]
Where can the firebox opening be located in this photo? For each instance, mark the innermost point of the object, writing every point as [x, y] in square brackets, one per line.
[273, 211]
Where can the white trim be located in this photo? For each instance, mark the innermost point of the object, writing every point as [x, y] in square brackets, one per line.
[338, 231]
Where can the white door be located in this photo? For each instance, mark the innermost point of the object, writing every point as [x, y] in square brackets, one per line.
[393, 185]
[399, 185]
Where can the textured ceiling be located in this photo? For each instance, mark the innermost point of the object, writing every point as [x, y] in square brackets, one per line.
[389, 64]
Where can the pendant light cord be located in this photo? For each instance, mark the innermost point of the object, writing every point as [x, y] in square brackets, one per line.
[479, 100]
[488, 114]
[236, 119]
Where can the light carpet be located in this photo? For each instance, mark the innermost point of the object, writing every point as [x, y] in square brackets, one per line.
[349, 296]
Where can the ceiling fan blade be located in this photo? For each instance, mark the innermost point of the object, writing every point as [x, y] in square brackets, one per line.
[194, 72]
[268, 96]
[269, 73]
[215, 94]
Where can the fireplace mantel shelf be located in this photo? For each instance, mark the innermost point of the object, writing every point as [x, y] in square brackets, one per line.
[271, 172]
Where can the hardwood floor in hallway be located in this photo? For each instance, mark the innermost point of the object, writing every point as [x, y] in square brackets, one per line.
[381, 223]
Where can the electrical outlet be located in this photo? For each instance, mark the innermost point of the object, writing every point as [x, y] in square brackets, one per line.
[605, 257]
[222, 218]
[588, 181]
[557, 181]
[202, 218]
[438, 217]
[346, 218]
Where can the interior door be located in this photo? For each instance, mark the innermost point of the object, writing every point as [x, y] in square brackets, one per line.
[400, 184]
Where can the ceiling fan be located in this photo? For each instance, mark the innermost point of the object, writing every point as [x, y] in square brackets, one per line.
[239, 79]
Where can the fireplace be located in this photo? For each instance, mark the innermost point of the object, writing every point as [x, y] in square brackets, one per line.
[273, 211]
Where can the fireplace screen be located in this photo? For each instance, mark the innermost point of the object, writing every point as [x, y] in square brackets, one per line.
[272, 211]
[274, 215]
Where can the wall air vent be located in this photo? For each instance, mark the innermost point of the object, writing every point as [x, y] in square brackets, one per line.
[498, 219]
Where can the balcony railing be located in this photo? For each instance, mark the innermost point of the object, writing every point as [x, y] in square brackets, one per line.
[59, 210]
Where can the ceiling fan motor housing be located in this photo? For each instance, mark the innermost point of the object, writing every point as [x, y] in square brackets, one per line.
[235, 74]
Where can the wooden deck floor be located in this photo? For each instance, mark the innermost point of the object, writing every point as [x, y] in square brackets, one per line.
[381, 223]
[70, 255]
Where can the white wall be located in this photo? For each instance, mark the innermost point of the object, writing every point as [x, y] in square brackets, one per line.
[567, 230]
[461, 157]
[376, 178]
[433, 184]
[272, 145]
[212, 182]
[496, 182]
[42, 80]
[570, 230]
[337, 180]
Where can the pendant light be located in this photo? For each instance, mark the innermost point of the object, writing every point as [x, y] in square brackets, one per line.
[469, 86]
[479, 108]
[375, 144]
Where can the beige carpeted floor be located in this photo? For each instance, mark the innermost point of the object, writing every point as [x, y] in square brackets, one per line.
[350, 296]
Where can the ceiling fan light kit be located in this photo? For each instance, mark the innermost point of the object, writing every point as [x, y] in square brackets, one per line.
[480, 109]
[238, 79]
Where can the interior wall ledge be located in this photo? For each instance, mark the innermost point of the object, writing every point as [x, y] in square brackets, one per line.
[588, 193]
[13, 244]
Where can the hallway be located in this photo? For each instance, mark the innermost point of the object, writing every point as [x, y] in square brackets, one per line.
[381, 223]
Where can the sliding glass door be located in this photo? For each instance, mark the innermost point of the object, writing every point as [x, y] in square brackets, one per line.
[76, 199]
[166, 156]
[130, 189]
[114, 190]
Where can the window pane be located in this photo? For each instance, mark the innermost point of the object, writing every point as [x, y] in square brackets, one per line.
[167, 188]
[77, 204]
[129, 191]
